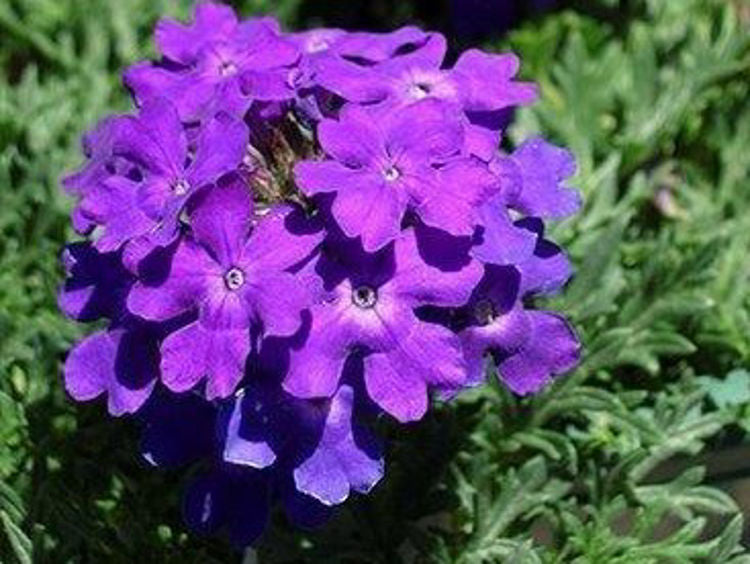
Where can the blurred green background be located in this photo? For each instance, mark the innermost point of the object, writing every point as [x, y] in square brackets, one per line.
[639, 456]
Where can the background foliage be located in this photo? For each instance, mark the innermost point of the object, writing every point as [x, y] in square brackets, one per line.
[605, 466]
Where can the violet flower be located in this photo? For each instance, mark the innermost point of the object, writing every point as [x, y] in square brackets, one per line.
[235, 275]
[530, 347]
[157, 173]
[369, 310]
[300, 233]
[384, 164]
[206, 60]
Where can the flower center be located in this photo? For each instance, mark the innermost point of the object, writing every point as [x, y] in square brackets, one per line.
[484, 312]
[364, 297]
[419, 90]
[234, 278]
[391, 173]
[317, 45]
[227, 68]
[180, 187]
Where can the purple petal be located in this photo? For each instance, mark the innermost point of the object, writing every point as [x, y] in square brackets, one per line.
[397, 380]
[352, 82]
[242, 446]
[422, 283]
[377, 47]
[181, 43]
[552, 348]
[262, 47]
[194, 353]
[314, 177]
[220, 148]
[159, 119]
[159, 295]
[464, 186]
[429, 129]
[500, 241]
[277, 300]
[339, 462]
[315, 366]
[271, 85]
[354, 140]
[120, 363]
[221, 218]
[544, 169]
[96, 283]
[115, 207]
[509, 332]
[548, 269]
[371, 210]
[281, 239]
[486, 81]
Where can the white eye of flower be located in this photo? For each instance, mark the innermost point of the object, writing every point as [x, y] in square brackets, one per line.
[364, 297]
[227, 68]
[180, 187]
[391, 173]
[234, 278]
[419, 90]
[317, 45]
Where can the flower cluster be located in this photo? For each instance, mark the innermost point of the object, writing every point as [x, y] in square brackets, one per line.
[296, 234]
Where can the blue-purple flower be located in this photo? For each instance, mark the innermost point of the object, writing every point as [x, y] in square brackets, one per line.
[296, 235]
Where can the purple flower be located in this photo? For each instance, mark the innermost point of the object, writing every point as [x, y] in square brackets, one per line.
[327, 451]
[206, 60]
[479, 84]
[297, 234]
[537, 171]
[96, 283]
[369, 310]
[382, 165]
[120, 362]
[156, 174]
[235, 275]
[529, 346]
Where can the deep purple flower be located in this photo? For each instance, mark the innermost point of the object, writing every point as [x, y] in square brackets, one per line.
[156, 173]
[96, 283]
[529, 346]
[321, 444]
[235, 275]
[122, 361]
[207, 59]
[297, 234]
[538, 172]
[384, 164]
[369, 310]
[479, 84]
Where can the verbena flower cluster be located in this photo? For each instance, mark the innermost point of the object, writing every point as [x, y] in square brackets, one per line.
[296, 234]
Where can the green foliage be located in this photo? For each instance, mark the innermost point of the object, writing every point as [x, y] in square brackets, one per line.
[652, 96]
